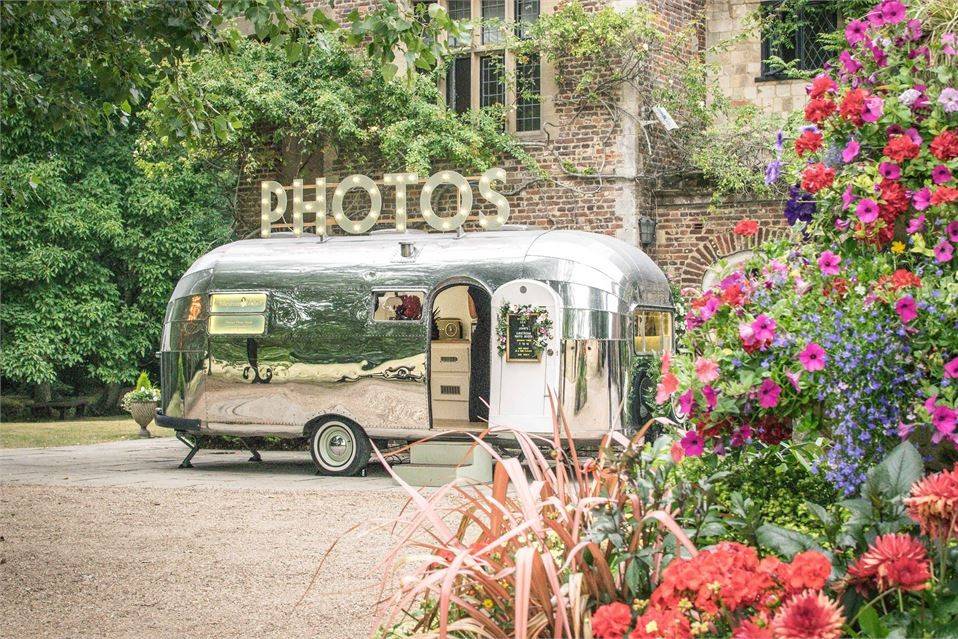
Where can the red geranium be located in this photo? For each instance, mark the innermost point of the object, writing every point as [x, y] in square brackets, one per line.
[818, 110]
[945, 145]
[748, 228]
[820, 86]
[662, 624]
[852, 106]
[901, 278]
[808, 142]
[611, 621]
[895, 198]
[808, 569]
[817, 177]
[901, 148]
[944, 195]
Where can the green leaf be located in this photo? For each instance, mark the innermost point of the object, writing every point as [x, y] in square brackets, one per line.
[783, 541]
[896, 474]
[870, 623]
[389, 71]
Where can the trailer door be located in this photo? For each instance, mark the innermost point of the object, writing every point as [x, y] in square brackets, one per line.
[525, 358]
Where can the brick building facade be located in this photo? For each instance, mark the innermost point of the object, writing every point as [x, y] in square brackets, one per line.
[691, 233]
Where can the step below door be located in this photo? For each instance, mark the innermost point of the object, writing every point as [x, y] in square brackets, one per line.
[527, 315]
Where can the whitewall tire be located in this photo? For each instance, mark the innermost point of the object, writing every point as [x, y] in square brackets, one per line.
[339, 447]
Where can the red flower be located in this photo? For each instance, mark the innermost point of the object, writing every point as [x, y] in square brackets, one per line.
[853, 104]
[750, 629]
[611, 621]
[821, 85]
[933, 503]
[733, 295]
[808, 569]
[818, 110]
[944, 195]
[895, 200]
[901, 148]
[748, 228]
[817, 177]
[901, 278]
[945, 145]
[810, 615]
[808, 142]
[892, 561]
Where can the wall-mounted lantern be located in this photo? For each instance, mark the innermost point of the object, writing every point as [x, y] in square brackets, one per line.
[647, 230]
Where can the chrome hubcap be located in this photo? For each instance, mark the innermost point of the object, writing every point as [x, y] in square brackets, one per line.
[335, 446]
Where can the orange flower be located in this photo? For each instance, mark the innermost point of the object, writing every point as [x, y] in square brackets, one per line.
[611, 621]
[662, 624]
[808, 570]
[892, 561]
[934, 504]
[810, 615]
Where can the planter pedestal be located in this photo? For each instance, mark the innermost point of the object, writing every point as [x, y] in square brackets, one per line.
[143, 413]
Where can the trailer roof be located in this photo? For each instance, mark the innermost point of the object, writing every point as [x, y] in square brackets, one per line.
[561, 257]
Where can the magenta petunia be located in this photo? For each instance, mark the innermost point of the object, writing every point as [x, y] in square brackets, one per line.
[692, 444]
[906, 308]
[768, 393]
[874, 109]
[952, 231]
[916, 224]
[828, 263]
[812, 357]
[847, 197]
[951, 368]
[686, 401]
[849, 64]
[921, 199]
[892, 11]
[944, 251]
[850, 152]
[855, 31]
[941, 174]
[763, 328]
[889, 170]
[867, 210]
[706, 370]
[943, 418]
[711, 397]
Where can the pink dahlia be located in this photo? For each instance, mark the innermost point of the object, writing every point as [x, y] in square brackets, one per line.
[933, 503]
[892, 561]
[809, 615]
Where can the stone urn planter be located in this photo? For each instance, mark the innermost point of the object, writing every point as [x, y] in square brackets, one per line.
[143, 413]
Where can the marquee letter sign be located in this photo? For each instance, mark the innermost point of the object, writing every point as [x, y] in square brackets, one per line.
[270, 212]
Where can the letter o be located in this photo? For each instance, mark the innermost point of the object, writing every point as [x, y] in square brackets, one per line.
[465, 204]
[375, 202]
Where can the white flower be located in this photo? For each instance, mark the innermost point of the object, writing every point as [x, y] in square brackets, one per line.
[908, 97]
[949, 99]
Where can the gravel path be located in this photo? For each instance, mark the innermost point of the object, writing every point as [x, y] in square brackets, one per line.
[218, 558]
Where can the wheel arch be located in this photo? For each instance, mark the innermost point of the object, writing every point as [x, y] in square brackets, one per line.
[312, 425]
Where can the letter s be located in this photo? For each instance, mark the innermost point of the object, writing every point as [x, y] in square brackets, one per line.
[497, 199]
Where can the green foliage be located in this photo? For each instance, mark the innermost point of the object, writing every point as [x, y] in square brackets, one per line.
[143, 382]
[92, 242]
[334, 99]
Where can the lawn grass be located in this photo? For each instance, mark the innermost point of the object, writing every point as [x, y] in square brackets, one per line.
[93, 430]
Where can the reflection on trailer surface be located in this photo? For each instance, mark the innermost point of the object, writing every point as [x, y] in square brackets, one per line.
[393, 336]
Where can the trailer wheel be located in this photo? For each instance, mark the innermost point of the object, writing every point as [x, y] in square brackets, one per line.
[339, 447]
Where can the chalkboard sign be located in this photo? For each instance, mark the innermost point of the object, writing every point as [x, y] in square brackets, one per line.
[521, 343]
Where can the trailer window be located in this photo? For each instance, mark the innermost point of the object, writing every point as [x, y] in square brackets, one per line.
[237, 314]
[397, 306]
[652, 331]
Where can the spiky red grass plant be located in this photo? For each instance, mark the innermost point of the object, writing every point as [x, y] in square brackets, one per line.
[521, 563]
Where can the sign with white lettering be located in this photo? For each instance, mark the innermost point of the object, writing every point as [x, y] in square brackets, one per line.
[274, 200]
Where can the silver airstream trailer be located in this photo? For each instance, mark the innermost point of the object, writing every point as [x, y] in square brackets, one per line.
[395, 336]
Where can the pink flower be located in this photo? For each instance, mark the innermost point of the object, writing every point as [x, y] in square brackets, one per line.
[764, 328]
[706, 370]
[906, 308]
[768, 393]
[741, 436]
[855, 31]
[916, 225]
[941, 174]
[686, 401]
[813, 357]
[793, 379]
[828, 263]
[847, 197]
[874, 109]
[944, 251]
[951, 368]
[892, 11]
[692, 444]
[952, 231]
[943, 418]
[921, 200]
[711, 397]
[849, 64]
[850, 152]
[889, 170]
[867, 210]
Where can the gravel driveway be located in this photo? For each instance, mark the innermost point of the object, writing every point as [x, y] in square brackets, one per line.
[112, 540]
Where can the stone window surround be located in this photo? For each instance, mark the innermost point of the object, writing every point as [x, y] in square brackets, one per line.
[476, 49]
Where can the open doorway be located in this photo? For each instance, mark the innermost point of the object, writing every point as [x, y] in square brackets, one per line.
[461, 328]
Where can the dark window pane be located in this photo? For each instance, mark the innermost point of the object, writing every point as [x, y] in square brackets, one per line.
[803, 45]
[527, 12]
[460, 10]
[459, 84]
[492, 10]
[528, 101]
[492, 87]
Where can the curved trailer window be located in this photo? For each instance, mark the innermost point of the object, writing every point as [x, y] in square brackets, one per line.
[652, 331]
